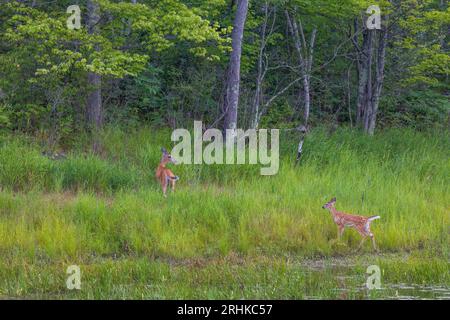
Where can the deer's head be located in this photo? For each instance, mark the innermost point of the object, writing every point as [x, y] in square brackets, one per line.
[329, 204]
[166, 157]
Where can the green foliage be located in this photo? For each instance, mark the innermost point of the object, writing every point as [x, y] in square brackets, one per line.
[26, 117]
[5, 115]
[58, 49]
[419, 109]
[278, 117]
[425, 38]
[51, 62]
[164, 63]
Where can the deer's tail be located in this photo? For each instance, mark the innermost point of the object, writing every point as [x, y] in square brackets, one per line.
[373, 218]
[174, 178]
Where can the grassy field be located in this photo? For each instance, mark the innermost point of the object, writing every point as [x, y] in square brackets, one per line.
[227, 232]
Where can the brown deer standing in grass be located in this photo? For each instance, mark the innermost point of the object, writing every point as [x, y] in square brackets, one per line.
[164, 175]
[360, 223]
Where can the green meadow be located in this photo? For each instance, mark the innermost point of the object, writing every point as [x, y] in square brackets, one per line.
[227, 232]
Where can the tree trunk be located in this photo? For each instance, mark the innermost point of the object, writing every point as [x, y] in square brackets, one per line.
[307, 77]
[378, 81]
[367, 110]
[261, 71]
[94, 100]
[305, 59]
[369, 89]
[358, 69]
[364, 75]
[234, 69]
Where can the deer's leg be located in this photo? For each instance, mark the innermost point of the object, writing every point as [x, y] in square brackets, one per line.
[340, 231]
[164, 187]
[373, 242]
[172, 184]
[362, 242]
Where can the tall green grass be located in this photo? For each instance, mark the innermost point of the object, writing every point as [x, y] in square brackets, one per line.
[90, 209]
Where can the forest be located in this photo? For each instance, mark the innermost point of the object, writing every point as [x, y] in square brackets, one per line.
[92, 90]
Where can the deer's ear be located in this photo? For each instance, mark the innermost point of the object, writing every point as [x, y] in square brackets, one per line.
[333, 200]
[163, 150]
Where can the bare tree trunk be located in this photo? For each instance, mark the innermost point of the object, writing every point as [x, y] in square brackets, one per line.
[260, 72]
[378, 81]
[94, 100]
[305, 58]
[307, 77]
[305, 54]
[263, 63]
[234, 69]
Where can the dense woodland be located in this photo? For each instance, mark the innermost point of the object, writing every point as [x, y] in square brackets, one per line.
[246, 64]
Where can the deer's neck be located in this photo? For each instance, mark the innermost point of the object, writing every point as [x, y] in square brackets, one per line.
[333, 211]
[162, 165]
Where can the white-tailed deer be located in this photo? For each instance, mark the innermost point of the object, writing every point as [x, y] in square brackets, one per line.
[164, 175]
[360, 223]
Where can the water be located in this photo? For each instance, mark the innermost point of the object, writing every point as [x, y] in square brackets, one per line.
[351, 281]
[405, 291]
